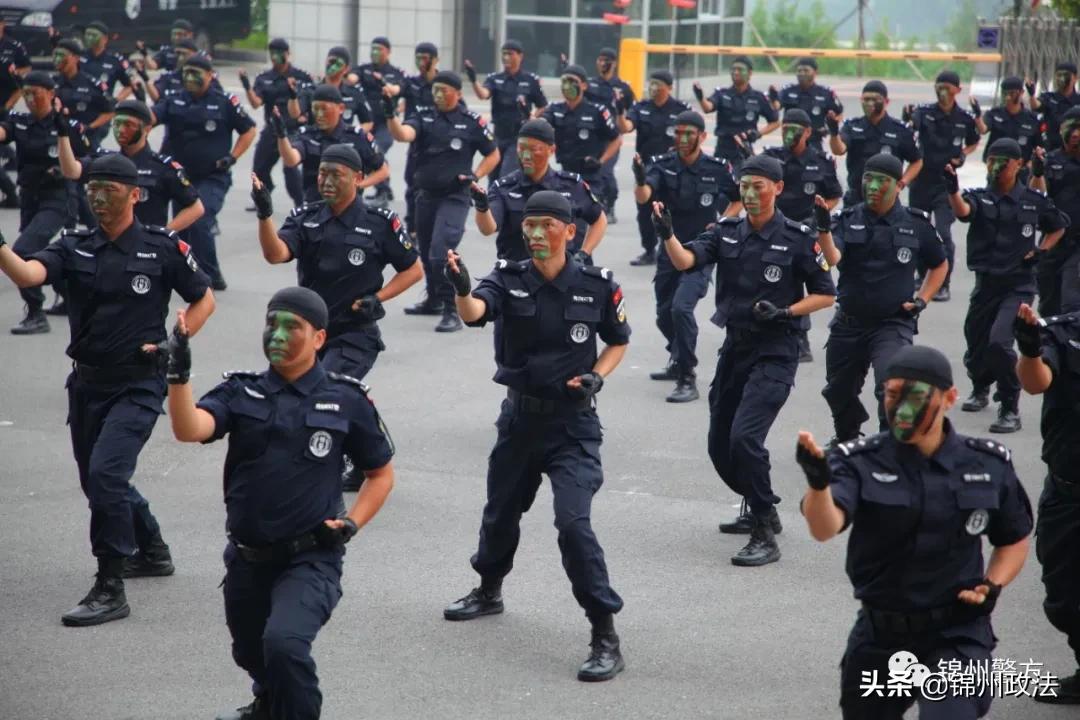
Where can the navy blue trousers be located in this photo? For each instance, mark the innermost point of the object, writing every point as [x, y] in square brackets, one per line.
[266, 156]
[677, 295]
[1057, 546]
[200, 235]
[440, 225]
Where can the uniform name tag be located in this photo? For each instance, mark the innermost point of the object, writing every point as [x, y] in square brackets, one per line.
[884, 477]
[707, 179]
[329, 407]
[781, 248]
[362, 231]
[811, 167]
[988, 201]
[976, 477]
[519, 293]
[583, 299]
[461, 127]
[1027, 207]
[254, 393]
[147, 256]
[858, 227]
[890, 135]
[311, 224]
[905, 231]
[731, 240]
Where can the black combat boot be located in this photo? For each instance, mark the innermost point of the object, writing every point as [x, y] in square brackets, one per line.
[59, 307]
[257, 710]
[977, 400]
[483, 600]
[152, 560]
[450, 322]
[35, 323]
[605, 661]
[105, 601]
[762, 548]
[670, 372]
[744, 523]
[1008, 420]
[646, 258]
[427, 306]
[685, 390]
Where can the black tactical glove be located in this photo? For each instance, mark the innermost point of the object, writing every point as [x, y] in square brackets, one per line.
[139, 91]
[277, 125]
[590, 385]
[583, 258]
[62, 122]
[823, 218]
[638, 165]
[293, 92]
[765, 311]
[833, 124]
[1038, 165]
[988, 603]
[3, 242]
[907, 113]
[224, 163]
[662, 223]
[773, 94]
[143, 75]
[245, 81]
[460, 279]
[1030, 87]
[699, 93]
[976, 108]
[389, 106]
[952, 181]
[918, 306]
[590, 163]
[175, 356]
[523, 108]
[752, 135]
[329, 537]
[470, 71]
[141, 47]
[815, 468]
[479, 199]
[1027, 338]
[369, 309]
[467, 180]
[1032, 259]
[264, 204]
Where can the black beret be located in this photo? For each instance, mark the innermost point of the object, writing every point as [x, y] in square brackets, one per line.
[876, 86]
[948, 76]
[538, 129]
[134, 108]
[278, 44]
[381, 40]
[575, 70]
[513, 45]
[607, 53]
[339, 51]
[1072, 113]
[99, 26]
[446, 77]
[39, 78]
[72, 46]
[548, 203]
[327, 93]
[115, 167]
[302, 301]
[795, 116]
[887, 164]
[808, 61]
[1012, 83]
[689, 117]
[200, 60]
[663, 76]
[187, 44]
[763, 166]
[1006, 148]
[343, 154]
[1066, 65]
[182, 24]
[743, 60]
[427, 48]
[923, 363]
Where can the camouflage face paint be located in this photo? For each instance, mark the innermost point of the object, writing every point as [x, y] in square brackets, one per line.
[92, 37]
[1063, 80]
[59, 57]
[687, 140]
[879, 190]
[655, 89]
[740, 73]
[791, 134]
[108, 199]
[542, 234]
[908, 415]
[753, 190]
[423, 62]
[334, 65]
[873, 104]
[533, 155]
[194, 79]
[127, 130]
[571, 89]
[445, 96]
[178, 36]
[283, 337]
[378, 54]
[1070, 136]
[326, 114]
[944, 92]
[334, 181]
[995, 166]
[805, 75]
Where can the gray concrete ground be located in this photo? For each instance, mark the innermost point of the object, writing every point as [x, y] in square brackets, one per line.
[702, 638]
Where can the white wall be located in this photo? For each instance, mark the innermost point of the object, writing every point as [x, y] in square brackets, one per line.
[313, 27]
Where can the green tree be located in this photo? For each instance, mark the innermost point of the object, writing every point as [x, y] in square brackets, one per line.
[960, 31]
[1068, 8]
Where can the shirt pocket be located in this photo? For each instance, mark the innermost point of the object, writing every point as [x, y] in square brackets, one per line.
[326, 434]
[776, 269]
[582, 319]
[977, 503]
[144, 279]
[250, 431]
[83, 272]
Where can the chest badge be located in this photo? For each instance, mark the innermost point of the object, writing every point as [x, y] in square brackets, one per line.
[320, 443]
[809, 188]
[885, 150]
[54, 151]
[706, 199]
[816, 110]
[140, 284]
[884, 477]
[751, 115]
[356, 257]
[80, 106]
[583, 133]
[977, 521]
[580, 332]
[1028, 230]
[903, 255]
[670, 131]
[773, 273]
[211, 126]
[455, 144]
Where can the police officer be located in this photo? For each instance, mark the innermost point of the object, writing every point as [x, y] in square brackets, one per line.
[501, 209]
[373, 78]
[357, 110]
[328, 127]
[654, 121]
[515, 97]
[14, 64]
[201, 120]
[585, 132]
[272, 91]
[875, 245]
[47, 200]
[84, 96]
[1010, 120]
[167, 57]
[161, 179]
[119, 277]
[171, 82]
[1001, 251]
[738, 109]
[808, 172]
[291, 425]
[1053, 104]
[549, 311]
[446, 138]
[416, 92]
[817, 101]
[763, 262]
[876, 132]
[614, 93]
[1057, 173]
[1048, 366]
[919, 499]
[106, 67]
[694, 189]
[947, 135]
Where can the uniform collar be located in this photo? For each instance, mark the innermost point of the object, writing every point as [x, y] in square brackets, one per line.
[694, 167]
[305, 384]
[766, 233]
[946, 455]
[893, 217]
[325, 214]
[548, 177]
[1013, 194]
[340, 129]
[125, 242]
[560, 282]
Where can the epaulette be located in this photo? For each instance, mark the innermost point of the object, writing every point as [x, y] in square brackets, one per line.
[919, 213]
[849, 209]
[534, 76]
[709, 158]
[241, 374]
[805, 229]
[989, 447]
[854, 447]
[729, 221]
[1035, 191]
[597, 271]
[1066, 319]
[512, 266]
[160, 230]
[668, 156]
[77, 232]
[384, 212]
[341, 377]
[306, 207]
[568, 175]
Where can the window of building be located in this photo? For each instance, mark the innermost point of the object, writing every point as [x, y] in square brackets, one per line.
[543, 42]
[548, 8]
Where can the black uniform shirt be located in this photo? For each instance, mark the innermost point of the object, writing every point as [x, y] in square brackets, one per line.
[200, 130]
[816, 101]
[357, 111]
[546, 331]
[506, 112]
[879, 255]
[416, 92]
[85, 98]
[507, 197]
[1003, 228]
[1060, 424]
[736, 113]
[106, 69]
[942, 137]
[1054, 105]
[584, 131]
[917, 524]
[372, 87]
[1063, 186]
[310, 142]
[287, 444]
[38, 157]
[118, 292]
[614, 94]
[161, 180]
[272, 88]
[864, 140]
[342, 257]
[445, 144]
[166, 58]
[1023, 127]
[655, 126]
[12, 52]
[812, 173]
[695, 194]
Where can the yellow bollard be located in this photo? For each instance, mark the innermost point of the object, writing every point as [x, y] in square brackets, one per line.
[632, 64]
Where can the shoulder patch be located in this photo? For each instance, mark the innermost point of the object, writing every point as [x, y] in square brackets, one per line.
[989, 447]
[159, 230]
[509, 266]
[1068, 319]
[729, 221]
[242, 374]
[305, 208]
[341, 377]
[570, 175]
[804, 229]
[597, 271]
[917, 212]
[854, 447]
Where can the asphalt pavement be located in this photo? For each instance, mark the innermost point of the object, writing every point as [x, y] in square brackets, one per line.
[702, 638]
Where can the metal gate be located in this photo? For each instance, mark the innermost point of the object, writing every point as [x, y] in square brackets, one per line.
[1031, 47]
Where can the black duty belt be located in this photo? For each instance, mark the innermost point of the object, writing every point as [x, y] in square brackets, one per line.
[115, 373]
[894, 623]
[276, 552]
[740, 334]
[1065, 487]
[853, 321]
[543, 406]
